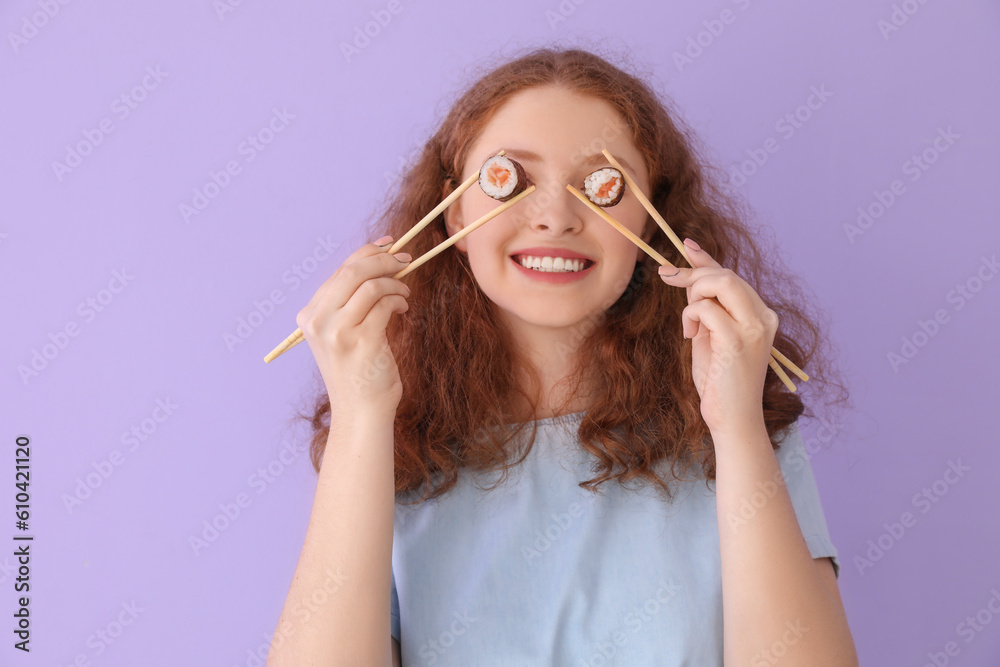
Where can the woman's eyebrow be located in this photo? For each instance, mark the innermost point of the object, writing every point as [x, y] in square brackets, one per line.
[593, 159]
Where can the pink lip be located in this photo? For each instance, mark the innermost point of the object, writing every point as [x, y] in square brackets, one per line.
[554, 277]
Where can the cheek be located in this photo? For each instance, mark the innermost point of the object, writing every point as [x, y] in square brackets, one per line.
[485, 253]
[620, 249]
[631, 215]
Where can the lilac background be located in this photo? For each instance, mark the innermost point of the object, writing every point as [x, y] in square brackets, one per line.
[163, 335]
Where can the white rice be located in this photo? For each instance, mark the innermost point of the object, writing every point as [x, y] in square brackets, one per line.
[595, 181]
[487, 185]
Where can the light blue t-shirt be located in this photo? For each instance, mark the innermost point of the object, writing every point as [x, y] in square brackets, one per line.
[540, 571]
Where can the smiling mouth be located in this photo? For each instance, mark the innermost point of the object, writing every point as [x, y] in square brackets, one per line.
[556, 265]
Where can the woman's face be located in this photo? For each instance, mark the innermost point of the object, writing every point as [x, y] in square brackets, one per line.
[566, 131]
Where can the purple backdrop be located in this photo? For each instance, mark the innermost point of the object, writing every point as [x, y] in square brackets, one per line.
[166, 172]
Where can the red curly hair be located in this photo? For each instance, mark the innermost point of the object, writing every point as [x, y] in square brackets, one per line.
[457, 358]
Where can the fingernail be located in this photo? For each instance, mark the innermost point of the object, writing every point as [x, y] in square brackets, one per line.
[665, 268]
[383, 242]
[691, 244]
[403, 257]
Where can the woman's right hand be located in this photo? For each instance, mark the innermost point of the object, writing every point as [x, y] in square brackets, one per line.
[344, 324]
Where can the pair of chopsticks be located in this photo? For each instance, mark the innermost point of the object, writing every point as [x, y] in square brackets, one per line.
[296, 336]
[630, 182]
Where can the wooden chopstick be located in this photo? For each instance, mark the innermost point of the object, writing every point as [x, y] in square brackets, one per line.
[637, 191]
[661, 260]
[630, 182]
[297, 337]
[465, 232]
[448, 201]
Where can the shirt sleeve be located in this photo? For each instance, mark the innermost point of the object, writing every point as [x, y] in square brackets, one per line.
[394, 608]
[801, 485]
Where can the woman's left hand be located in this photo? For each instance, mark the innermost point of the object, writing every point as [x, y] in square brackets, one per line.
[731, 343]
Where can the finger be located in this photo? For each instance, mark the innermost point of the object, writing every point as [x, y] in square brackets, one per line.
[698, 256]
[377, 296]
[698, 259]
[684, 277]
[367, 250]
[730, 290]
[340, 287]
[713, 317]
[373, 325]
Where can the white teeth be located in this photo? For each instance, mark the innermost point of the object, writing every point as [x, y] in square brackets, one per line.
[552, 264]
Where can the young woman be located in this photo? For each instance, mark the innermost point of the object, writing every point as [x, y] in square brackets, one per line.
[589, 469]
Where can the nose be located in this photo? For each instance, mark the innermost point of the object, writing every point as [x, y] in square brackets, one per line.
[555, 209]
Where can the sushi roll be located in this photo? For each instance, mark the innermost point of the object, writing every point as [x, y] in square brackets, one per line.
[605, 187]
[502, 178]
